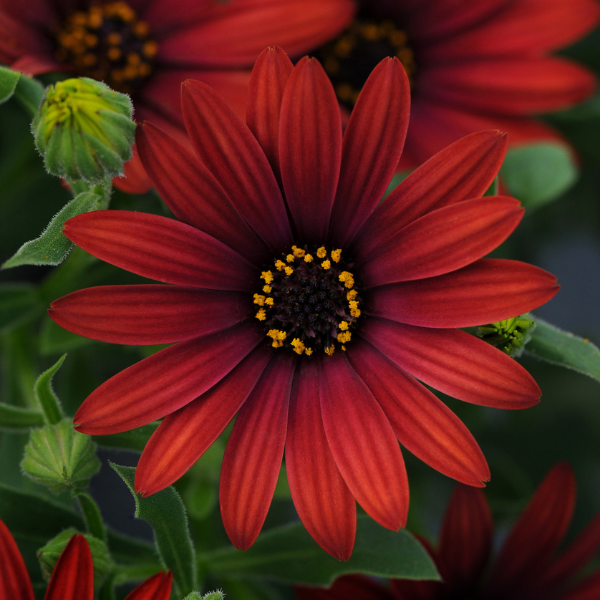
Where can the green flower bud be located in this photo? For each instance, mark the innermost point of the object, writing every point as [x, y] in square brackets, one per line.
[48, 555]
[509, 335]
[83, 129]
[218, 595]
[59, 457]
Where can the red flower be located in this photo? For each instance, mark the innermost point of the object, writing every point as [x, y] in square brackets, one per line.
[147, 48]
[473, 64]
[72, 578]
[526, 568]
[308, 311]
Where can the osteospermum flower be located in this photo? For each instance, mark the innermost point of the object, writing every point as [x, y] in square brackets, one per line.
[72, 577]
[147, 48]
[472, 64]
[305, 308]
[527, 566]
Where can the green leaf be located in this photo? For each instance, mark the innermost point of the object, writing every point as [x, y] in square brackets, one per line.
[539, 173]
[289, 554]
[45, 395]
[14, 418]
[18, 301]
[397, 179]
[29, 93]
[558, 347]
[52, 247]
[165, 512]
[493, 189]
[8, 83]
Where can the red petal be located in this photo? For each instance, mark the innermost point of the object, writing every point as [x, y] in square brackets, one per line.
[231, 153]
[73, 575]
[254, 452]
[538, 532]
[148, 314]
[422, 423]
[509, 86]
[373, 143]
[157, 587]
[185, 435]
[588, 589]
[235, 35]
[464, 170]
[442, 241]
[164, 382]
[347, 587]
[323, 501]
[195, 196]
[455, 363]
[135, 179]
[310, 149]
[466, 539]
[161, 249]
[363, 443]
[267, 84]
[14, 579]
[486, 291]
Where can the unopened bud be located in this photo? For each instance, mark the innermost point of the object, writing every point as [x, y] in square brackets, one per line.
[59, 457]
[509, 335]
[218, 595]
[48, 554]
[84, 130]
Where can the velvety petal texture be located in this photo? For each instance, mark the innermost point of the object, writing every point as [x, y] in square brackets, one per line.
[14, 579]
[73, 574]
[157, 587]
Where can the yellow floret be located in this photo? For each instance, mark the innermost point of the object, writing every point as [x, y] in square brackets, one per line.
[326, 264]
[321, 252]
[299, 252]
[329, 350]
[279, 265]
[355, 312]
[308, 258]
[267, 289]
[308, 351]
[258, 299]
[336, 255]
[267, 276]
[351, 295]
[289, 271]
[269, 301]
[299, 347]
[343, 325]
[344, 336]
[290, 258]
[261, 315]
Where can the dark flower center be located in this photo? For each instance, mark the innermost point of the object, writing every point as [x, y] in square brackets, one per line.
[108, 43]
[350, 58]
[309, 301]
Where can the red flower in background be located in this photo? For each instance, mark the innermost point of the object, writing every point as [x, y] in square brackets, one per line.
[72, 577]
[527, 566]
[473, 64]
[300, 303]
[147, 48]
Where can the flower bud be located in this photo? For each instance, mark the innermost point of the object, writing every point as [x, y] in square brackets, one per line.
[59, 457]
[83, 129]
[218, 595]
[509, 335]
[48, 554]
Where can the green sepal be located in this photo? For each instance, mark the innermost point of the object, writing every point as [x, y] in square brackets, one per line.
[49, 553]
[60, 458]
[52, 247]
[45, 396]
[8, 83]
[551, 344]
[15, 418]
[290, 555]
[165, 512]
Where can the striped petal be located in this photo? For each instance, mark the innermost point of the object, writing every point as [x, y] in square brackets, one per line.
[73, 575]
[161, 249]
[323, 501]
[254, 452]
[157, 587]
[164, 382]
[14, 579]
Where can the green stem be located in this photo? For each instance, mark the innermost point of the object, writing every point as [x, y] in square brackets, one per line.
[92, 516]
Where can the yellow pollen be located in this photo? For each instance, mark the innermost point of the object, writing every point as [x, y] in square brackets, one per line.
[261, 315]
[329, 350]
[290, 258]
[279, 265]
[326, 264]
[321, 252]
[347, 278]
[277, 336]
[351, 294]
[344, 337]
[344, 348]
[308, 351]
[269, 301]
[258, 299]
[267, 289]
[299, 347]
[289, 271]
[267, 276]
[150, 49]
[114, 38]
[336, 255]
[308, 258]
[343, 325]
[355, 312]
[299, 252]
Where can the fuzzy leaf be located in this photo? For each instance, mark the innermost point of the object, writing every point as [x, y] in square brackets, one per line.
[8, 83]
[45, 395]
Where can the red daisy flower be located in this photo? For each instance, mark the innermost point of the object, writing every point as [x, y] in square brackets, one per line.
[473, 65]
[526, 568]
[305, 308]
[73, 575]
[147, 48]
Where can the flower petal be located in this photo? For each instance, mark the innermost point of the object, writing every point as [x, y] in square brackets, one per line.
[148, 314]
[323, 501]
[538, 532]
[252, 459]
[14, 579]
[362, 443]
[511, 86]
[463, 170]
[373, 142]
[486, 291]
[186, 434]
[442, 241]
[73, 575]
[310, 149]
[455, 363]
[422, 423]
[164, 382]
[267, 84]
[347, 587]
[161, 249]
[588, 589]
[465, 540]
[194, 195]
[157, 587]
[134, 180]
[231, 153]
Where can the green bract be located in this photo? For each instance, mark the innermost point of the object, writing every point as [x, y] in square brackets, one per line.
[84, 130]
